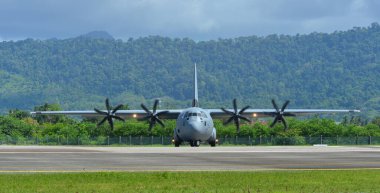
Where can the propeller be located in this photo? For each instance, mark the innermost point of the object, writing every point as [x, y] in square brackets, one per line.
[236, 116]
[153, 117]
[279, 115]
[110, 114]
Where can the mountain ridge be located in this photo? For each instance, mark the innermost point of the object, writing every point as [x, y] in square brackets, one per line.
[317, 70]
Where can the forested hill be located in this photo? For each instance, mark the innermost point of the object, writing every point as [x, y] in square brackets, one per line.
[317, 70]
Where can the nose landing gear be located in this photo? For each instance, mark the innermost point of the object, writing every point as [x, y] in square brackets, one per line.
[196, 143]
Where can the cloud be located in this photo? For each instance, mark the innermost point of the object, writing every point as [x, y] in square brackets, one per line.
[197, 19]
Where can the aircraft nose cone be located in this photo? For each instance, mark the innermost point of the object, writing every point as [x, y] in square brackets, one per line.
[196, 128]
[194, 125]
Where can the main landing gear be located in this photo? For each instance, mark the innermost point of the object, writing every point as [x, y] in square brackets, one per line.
[213, 143]
[176, 142]
[196, 143]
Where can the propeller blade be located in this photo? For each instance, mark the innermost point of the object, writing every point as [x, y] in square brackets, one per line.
[160, 122]
[108, 105]
[100, 112]
[235, 115]
[155, 106]
[284, 106]
[228, 121]
[152, 117]
[101, 122]
[280, 115]
[145, 109]
[243, 109]
[274, 122]
[110, 122]
[235, 105]
[285, 124]
[227, 111]
[151, 124]
[275, 105]
[118, 118]
[117, 108]
[110, 114]
[237, 124]
[244, 118]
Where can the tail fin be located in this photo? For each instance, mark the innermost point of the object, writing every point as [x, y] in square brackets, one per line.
[195, 100]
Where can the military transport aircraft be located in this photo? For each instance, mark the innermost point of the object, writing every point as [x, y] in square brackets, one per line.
[194, 124]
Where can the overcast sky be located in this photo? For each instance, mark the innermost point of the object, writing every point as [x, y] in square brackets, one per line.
[195, 19]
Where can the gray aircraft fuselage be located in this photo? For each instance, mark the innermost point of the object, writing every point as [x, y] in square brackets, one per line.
[195, 125]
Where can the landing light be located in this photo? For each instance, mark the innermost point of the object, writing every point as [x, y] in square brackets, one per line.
[134, 115]
[254, 115]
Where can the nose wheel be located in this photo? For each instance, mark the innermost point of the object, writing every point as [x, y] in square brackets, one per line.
[195, 143]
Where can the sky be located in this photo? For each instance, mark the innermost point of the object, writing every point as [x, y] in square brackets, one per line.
[195, 19]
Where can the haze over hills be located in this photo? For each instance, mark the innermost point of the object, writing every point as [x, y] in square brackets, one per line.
[318, 70]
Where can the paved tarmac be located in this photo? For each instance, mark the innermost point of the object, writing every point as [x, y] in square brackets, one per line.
[247, 158]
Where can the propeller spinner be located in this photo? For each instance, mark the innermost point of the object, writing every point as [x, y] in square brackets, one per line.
[279, 115]
[153, 117]
[110, 114]
[236, 115]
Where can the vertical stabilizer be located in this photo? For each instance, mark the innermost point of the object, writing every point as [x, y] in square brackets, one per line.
[195, 100]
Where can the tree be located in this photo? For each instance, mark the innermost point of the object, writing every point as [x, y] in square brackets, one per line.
[19, 114]
[51, 118]
[376, 121]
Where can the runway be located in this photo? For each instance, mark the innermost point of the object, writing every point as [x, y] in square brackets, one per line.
[243, 158]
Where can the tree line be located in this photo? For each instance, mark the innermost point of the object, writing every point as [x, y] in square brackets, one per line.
[19, 124]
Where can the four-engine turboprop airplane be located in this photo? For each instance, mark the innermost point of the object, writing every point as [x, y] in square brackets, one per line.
[194, 124]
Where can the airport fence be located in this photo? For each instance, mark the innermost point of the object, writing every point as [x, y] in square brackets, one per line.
[166, 140]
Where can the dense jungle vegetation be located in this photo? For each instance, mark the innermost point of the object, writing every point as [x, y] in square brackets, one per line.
[19, 124]
[317, 70]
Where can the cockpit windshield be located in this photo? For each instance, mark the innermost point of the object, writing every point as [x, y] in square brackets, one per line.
[194, 114]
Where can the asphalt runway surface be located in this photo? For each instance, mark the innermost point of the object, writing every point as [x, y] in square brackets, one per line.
[244, 158]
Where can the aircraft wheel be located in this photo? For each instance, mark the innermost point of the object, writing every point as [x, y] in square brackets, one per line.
[212, 143]
[194, 143]
[177, 143]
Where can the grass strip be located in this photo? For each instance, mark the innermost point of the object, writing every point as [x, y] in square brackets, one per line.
[224, 181]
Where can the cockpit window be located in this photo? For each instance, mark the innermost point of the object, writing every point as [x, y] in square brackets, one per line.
[203, 114]
[194, 114]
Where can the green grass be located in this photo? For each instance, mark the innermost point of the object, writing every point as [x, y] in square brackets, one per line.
[258, 181]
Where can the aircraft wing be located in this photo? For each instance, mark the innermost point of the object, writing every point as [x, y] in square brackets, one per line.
[172, 113]
[256, 113]
[215, 113]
